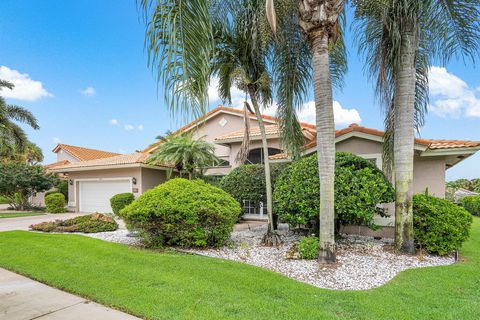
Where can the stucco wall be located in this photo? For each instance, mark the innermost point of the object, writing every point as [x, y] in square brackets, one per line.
[429, 172]
[359, 146]
[152, 178]
[62, 155]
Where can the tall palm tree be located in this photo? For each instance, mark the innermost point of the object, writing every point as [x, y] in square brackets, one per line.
[31, 154]
[312, 29]
[241, 61]
[400, 39]
[12, 137]
[180, 44]
[185, 153]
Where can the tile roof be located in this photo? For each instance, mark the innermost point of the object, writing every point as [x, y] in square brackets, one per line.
[255, 132]
[84, 154]
[133, 158]
[56, 164]
[227, 109]
[431, 144]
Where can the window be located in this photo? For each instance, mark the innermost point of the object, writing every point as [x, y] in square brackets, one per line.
[256, 156]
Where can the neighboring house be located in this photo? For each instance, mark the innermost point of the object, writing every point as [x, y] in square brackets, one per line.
[460, 193]
[92, 182]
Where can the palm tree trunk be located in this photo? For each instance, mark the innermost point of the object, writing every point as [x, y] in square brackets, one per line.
[403, 145]
[268, 181]
[322, 86]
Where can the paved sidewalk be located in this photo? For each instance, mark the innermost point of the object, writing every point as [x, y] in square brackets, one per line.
[24, 299]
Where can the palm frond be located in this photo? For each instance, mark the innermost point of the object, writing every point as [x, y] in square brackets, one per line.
[21, 115]
[179, 44]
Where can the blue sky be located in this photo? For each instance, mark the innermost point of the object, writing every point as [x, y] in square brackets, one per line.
[81, 69]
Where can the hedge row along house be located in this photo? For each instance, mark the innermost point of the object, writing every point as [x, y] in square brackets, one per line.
[95, 176]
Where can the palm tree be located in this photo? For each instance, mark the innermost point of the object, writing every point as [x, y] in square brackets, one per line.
[31, 154]
[185, 153]
[241, 61]
[180, 44]
[12, 137]
[400, 38]
[309, 45]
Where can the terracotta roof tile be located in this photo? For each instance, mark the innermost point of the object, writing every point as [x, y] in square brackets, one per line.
[84, 154]
[255, 132]
[56, 164]
[219, 108]
[138, 157]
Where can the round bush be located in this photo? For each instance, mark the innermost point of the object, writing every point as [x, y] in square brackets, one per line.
[120, 201]
[51, 192]
[55, 203]
[359, 187]
[247, 182]
[183, 213]
[471, 204]
[439, 226]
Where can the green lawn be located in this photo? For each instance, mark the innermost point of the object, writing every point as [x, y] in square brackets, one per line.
[176, 286]
[19, 214]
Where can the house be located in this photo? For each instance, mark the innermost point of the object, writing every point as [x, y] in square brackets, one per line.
[92, 181]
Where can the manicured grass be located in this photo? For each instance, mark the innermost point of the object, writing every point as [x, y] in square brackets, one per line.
[176, 286]
[19, 214]
[3, 200]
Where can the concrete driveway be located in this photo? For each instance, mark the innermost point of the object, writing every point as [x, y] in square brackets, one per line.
[22, 223]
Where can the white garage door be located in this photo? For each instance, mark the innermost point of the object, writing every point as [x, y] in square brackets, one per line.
[95, 195]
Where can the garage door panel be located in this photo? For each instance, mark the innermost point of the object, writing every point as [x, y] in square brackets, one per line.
[95, 195]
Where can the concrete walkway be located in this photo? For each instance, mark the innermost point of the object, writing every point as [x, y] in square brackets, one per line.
[22, 223]
[24, 299]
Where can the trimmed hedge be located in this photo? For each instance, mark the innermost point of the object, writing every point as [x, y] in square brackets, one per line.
[183, 213]
[91, 223]
[439, 226]
[471, 204]
[55, 203]
[359, 187]
[247, 182]
[51, 192]
[120, 201]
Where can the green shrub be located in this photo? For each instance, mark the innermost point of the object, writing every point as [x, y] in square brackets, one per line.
[471, 204]
[51, 192]
[55, 203]
[62, 187]
[183, 213]
[439, 225]
[308, 247]
[359, 187]
[91, 223]
[247, 182]
[120, 201]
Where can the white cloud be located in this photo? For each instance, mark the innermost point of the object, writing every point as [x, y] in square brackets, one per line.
[88, 92]
[25, 88]
[342, 116]
[237, 96]
[140, 127]
[113, 122]
[56, 140]
[450, 96]
[128, 127]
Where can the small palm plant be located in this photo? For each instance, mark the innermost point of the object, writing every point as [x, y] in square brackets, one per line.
[185, 153]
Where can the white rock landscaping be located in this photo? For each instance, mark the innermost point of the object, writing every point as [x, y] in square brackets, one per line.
[363, 263]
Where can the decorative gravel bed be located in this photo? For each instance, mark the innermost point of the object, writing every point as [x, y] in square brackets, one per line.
[118, 236]
[363, 263]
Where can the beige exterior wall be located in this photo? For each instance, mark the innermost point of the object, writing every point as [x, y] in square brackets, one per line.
[63, 155]
[152, 178]
[359, 146]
